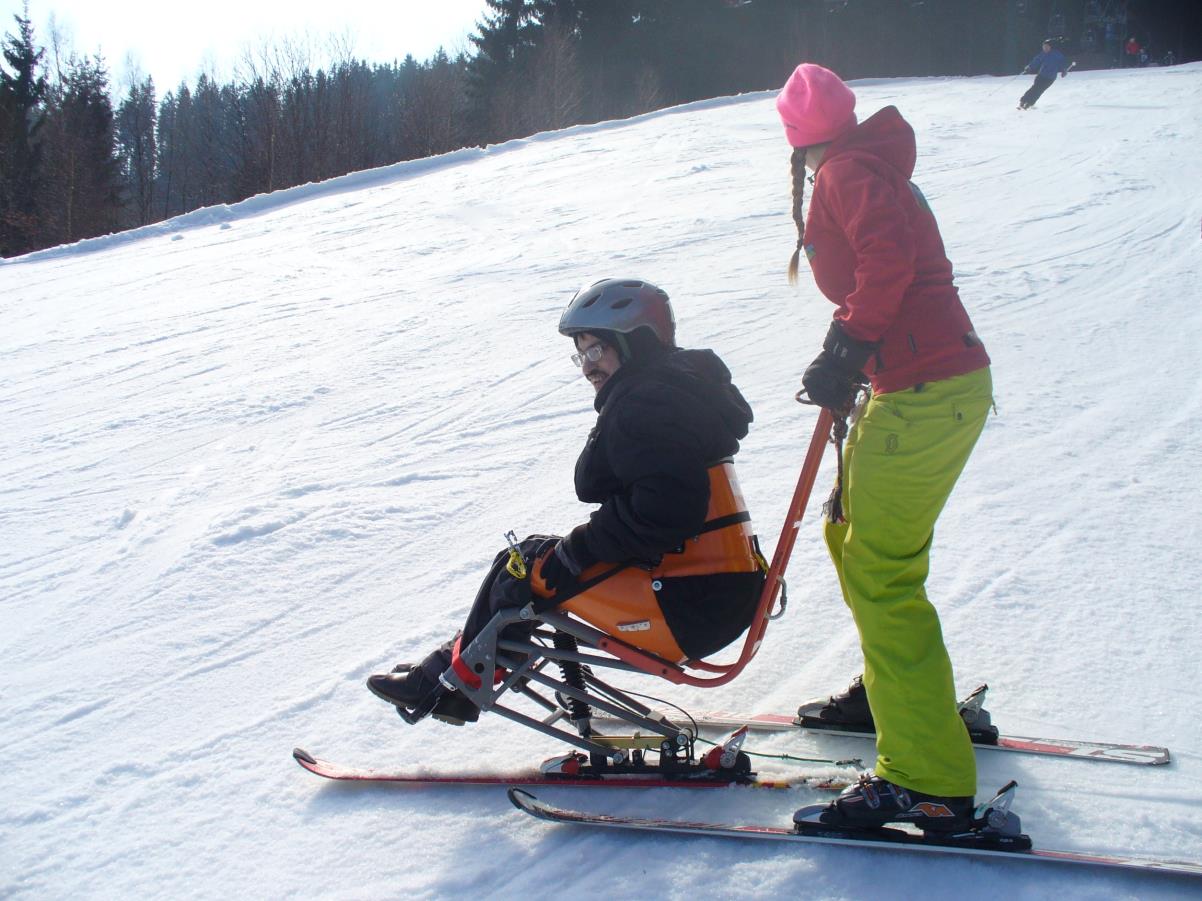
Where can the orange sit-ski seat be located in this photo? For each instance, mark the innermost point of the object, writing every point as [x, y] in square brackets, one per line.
[624, 604]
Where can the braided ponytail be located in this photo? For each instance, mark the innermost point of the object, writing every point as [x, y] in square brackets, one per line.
[797, 166]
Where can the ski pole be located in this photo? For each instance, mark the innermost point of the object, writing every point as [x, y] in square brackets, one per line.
[1004, 83]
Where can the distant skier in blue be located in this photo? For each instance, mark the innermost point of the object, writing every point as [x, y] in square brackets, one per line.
[1045, 65]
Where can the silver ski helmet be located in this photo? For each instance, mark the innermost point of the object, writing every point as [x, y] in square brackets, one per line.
[621, 306]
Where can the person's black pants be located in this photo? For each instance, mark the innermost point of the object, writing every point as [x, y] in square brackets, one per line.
[498, 590]
[1036, 90]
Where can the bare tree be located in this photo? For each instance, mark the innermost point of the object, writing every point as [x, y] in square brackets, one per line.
[649, 92]
[555, 95]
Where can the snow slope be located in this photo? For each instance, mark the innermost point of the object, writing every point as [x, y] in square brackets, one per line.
[252, 455]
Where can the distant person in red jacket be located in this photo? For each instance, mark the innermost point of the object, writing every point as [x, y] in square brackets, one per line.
[1131, 51]
[876, 253]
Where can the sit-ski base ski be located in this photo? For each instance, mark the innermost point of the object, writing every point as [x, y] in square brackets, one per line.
[723, 765]
[339, 773]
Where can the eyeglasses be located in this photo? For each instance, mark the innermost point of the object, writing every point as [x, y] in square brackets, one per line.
[592, 354]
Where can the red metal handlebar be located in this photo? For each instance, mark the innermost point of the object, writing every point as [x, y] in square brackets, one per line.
[780, 561]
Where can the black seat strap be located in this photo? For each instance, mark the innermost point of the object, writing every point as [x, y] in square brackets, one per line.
[722, 522]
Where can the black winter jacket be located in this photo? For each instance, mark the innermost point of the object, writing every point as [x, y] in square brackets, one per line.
[661, 424]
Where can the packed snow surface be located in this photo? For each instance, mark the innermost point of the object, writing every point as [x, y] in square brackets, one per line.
[254, 454]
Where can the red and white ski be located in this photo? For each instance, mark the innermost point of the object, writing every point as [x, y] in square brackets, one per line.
[891, 840]
[341, 773]
[1146, 755]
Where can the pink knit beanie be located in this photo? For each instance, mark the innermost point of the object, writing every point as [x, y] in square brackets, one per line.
[815, 106]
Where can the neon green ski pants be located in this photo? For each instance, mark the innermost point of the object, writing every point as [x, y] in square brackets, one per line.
[901, 460]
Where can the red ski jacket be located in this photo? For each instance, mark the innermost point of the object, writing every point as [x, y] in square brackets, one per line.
[875, 251]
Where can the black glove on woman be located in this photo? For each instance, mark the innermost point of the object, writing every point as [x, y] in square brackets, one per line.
[831, 380]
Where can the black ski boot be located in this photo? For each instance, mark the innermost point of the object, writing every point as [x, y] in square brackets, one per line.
[874, 802]
[416, 692]
[848, 709]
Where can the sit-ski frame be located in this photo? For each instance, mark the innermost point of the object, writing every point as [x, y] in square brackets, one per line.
[558, 638]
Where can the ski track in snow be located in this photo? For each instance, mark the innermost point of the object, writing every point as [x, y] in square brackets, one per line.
[255, 453]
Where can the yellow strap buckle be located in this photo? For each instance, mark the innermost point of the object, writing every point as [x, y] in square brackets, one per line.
[515, 566]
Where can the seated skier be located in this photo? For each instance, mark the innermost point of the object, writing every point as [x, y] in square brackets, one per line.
[668, 562]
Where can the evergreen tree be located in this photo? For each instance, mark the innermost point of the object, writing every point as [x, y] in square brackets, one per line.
[300, 138]
[138, 150]
[395, 91]
[496, 72]
[82, 191]
[537, 64]
[22, 116]
[175, 152]
[257, 156]
[210, 144]
[356, 134]
[435, 105]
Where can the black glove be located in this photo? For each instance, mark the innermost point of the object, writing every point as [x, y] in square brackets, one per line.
[831, 380]
[571, 556]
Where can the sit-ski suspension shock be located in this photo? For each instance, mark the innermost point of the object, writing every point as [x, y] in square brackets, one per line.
[580, 714]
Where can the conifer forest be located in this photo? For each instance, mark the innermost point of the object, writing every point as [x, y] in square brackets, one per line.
[80, 157]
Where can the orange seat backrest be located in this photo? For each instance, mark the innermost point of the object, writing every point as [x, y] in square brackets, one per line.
[625, 605]
[726, 550]
[720, 673]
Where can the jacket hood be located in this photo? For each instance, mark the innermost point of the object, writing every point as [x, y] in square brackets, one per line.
[703, 374]
[699, 372]
[885, 135]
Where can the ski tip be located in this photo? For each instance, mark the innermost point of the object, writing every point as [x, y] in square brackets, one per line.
[528, 803]
[301, 756]
[522, 799]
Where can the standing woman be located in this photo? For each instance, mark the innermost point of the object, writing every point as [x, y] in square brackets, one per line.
[876, 253]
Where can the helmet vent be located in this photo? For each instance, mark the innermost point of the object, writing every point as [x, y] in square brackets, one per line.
[632, 284]
[590, 301]
[621, 304]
